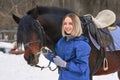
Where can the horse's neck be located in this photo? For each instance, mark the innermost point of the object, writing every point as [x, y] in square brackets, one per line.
[50, 43]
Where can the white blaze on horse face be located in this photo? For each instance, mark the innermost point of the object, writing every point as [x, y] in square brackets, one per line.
[68, 25]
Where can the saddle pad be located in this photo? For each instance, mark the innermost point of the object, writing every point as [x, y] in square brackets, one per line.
[115, 35]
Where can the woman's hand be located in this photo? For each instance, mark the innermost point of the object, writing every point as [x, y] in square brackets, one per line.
[47, 52]
[59, 61]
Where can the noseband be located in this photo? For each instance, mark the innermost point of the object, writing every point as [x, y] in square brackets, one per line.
[27, 45]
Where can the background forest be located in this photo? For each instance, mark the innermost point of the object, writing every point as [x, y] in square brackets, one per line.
[82, 7]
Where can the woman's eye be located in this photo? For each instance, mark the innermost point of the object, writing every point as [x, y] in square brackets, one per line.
[70, 23]
[64, 23]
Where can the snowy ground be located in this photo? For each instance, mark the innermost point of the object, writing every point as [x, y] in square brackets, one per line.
[14, 67]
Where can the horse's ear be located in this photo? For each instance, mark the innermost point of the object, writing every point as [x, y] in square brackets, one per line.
[35, 13]
[16, 19]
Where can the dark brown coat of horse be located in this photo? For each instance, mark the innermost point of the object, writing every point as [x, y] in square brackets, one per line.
[42, 27]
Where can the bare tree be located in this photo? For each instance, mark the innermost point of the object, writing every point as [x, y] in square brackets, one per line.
[82, 7]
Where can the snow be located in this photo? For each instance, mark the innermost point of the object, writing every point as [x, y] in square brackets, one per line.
[14, 67]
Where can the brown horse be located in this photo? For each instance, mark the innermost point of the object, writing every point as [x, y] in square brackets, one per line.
[42, 27]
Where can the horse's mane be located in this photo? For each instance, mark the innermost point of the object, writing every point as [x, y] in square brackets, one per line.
[49, 10]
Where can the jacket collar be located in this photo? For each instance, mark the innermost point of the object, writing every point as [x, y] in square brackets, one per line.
[70, 37]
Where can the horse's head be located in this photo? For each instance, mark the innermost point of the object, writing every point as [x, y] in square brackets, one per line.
[31, 34]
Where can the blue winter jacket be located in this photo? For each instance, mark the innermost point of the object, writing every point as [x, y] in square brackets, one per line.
[76, 53]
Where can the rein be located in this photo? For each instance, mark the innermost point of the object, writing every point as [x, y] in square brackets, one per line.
[43, 42]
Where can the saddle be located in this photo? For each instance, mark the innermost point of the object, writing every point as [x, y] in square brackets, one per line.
[100, 37]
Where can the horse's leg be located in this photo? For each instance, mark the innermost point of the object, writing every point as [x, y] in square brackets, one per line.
[119, 75]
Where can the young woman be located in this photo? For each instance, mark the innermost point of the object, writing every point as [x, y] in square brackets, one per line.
[72, 51]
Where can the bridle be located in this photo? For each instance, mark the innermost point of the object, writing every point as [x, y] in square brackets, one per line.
[43, 43]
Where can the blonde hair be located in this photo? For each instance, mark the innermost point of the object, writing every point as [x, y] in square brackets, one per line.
[77, 28]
